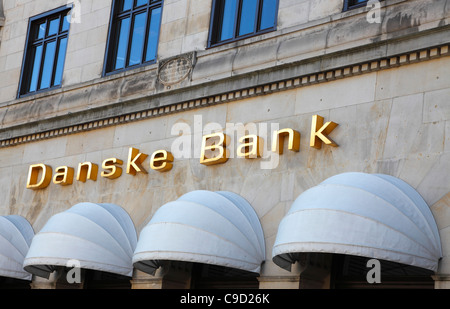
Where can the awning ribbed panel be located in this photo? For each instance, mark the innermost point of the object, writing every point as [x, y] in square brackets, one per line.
[99, 236]
[371, 215]
[16, 234]
[219, 228]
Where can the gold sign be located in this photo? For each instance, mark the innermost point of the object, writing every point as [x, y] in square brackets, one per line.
[211, 144]
[213, 151]
[34, 182]
[40, 175]
[319, 132]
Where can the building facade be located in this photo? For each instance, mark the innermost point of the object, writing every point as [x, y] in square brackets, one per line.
[217, 144]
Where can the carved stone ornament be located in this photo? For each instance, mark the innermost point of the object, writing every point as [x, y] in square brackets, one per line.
[176, 69]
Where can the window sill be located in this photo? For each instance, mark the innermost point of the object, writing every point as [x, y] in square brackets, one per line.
[129, 71]
[37, 93]
[240, 38]
[49, 92]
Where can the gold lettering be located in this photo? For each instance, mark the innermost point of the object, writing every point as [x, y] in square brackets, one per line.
[33, 175]
[87, 170]
[319, 132]
[212, 158]
[135, 159]
[110, 164]
[278, 140]
[63, 176]
[250, 146]
[161, 161]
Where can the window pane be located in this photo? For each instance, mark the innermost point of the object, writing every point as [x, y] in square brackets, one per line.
[40, 33]
[124, 27]
[354, 2]
[36, 66]
[60, 61]
[227, 22]
[141, 2]
[248, 15]
[65, 22]
[53, 26]
[268, 14]
[153, 34]
[47, 69]
[137, 39]
[134, 39]
[126, 5]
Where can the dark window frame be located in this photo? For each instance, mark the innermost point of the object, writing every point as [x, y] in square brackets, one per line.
[350, 5]
[28, 59]
[217, 14]
[112, 40]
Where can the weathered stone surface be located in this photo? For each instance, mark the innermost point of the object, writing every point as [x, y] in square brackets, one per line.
[394, 121]
[339, 93]
[373, 136]
[437, 106]
[414, 78]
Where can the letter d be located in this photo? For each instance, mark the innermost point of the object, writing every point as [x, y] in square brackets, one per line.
[33, 182]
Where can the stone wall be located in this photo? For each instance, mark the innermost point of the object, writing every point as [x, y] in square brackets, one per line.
[394, 121]
[386, 85]
[310, 47]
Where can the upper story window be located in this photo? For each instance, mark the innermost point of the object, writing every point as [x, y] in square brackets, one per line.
[45, 51]
[236, 19]
[2, 16]
[133, 34]
[353, 4]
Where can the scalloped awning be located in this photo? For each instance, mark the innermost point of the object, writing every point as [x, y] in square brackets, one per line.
[16, 234]
[219, 228]
[371, 215]
[100, 236]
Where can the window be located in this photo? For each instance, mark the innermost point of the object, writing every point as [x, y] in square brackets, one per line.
[45, 51]
[133, 34]
[353, 4]
[2, 15]
[236, 19]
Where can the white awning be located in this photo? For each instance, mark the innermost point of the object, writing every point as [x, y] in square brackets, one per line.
[375, 216]
[99, 236]
[219, 228]
[16, 234]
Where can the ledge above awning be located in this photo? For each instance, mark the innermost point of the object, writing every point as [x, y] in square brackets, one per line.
[99, 236]
[370, 215]
[219, 228]
[16, 234]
